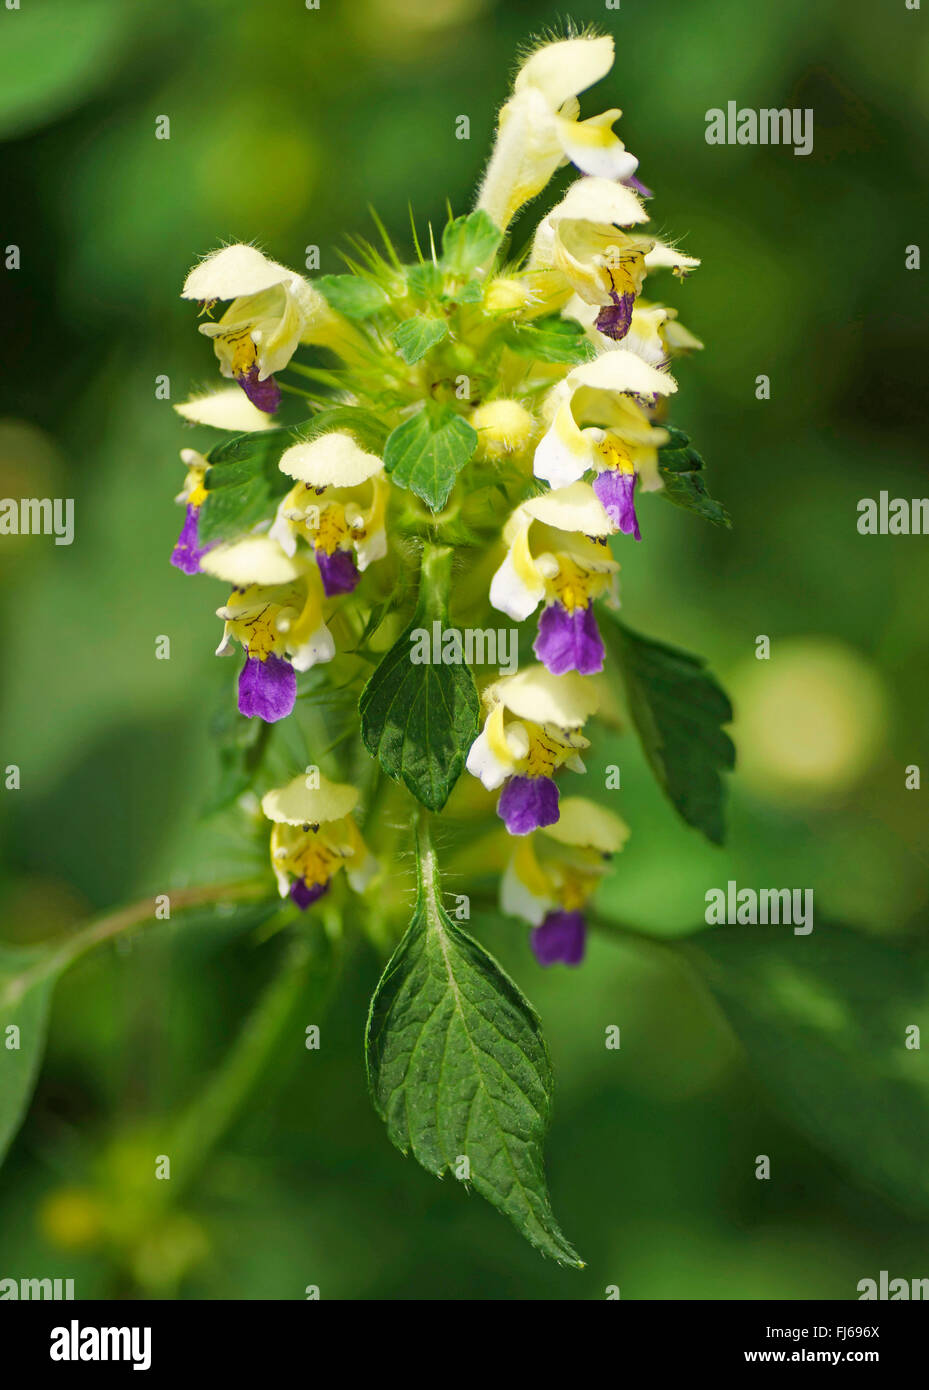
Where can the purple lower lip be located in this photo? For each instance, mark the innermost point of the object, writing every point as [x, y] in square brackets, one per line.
[265, 395]
[267, 689]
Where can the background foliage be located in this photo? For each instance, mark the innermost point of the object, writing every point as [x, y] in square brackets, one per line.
[286, 123]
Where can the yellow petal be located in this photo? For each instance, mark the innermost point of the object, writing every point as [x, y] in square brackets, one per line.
[561, 70]
[301, 804]
[535, 694]
[585, 824]
[254, 560]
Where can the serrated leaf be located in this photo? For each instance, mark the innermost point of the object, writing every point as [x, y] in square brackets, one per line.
[677, 708]
[416, 336]
[27, 978]
[469, 242]
[458, 1067]
[551, 340]
[823, 1018]
[427, 452]
[681, 468]
[419, 720]
[243, 484]
[352, 295]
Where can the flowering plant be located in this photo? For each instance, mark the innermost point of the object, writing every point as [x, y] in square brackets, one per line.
[427, 473]
[423, 573]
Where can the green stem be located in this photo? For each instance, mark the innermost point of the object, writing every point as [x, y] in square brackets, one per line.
[69, 949]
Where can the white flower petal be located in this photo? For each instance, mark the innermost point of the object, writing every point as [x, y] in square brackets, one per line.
[599, 200]
[573, 508]
[360, 875]
[518, 586]
[317, 649]
[484, 764]
[332, 460]
[234, 271]
[254, 560]
[517, 901]
[663, 257]
[228, 409]
[622, 371]
[535, 694]
[594, 149]
[565, 452]
[561, 70]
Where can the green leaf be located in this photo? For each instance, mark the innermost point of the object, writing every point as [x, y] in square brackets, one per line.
[425, 280]
[470, 293]
[27, 978]
[243, 484]
[681, 467]
[823, 1018]
[427, 452]
[551, 340]
[415, 337]
[458, 1067]
[677, 709]
[419, 720]
[352, 295]
[469, 242]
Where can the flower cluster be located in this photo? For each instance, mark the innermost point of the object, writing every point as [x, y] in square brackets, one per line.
[506, 407]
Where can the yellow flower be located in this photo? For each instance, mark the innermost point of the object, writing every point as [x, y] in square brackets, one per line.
[338, 505]
[275, 612]
[314, 836]
[272, 310]
[583, 246]
[561, 865]
[538, 128]
[606, 394]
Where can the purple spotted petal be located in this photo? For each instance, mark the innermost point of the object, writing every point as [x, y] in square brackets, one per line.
[526, 803]
[303, 895]
[266, 395]
[569, 641]
[616, 491]
[267, 688]
[614, 319]
[339, 571]
[560, 940]
[638, 186]
[188, 552]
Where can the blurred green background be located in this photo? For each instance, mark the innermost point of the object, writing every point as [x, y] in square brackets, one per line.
[285, 124]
